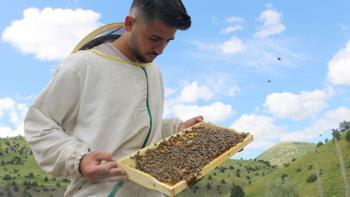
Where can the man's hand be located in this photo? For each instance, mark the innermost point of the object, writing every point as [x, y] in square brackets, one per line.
[190, 122]
[99, 167]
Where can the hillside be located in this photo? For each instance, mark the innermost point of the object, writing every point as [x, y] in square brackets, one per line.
[21, 176]
[232, 172]
[302, 173]
[285, 152]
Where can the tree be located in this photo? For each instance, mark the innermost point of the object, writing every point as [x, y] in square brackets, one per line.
[326, 140]
[208, 186]
[343, 126]
[312, 178]
[347, 135]
[237, 191]
[283, 177]
[335, 134]
[319, 144]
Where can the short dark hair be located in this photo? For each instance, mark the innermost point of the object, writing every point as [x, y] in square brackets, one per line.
[171, 12]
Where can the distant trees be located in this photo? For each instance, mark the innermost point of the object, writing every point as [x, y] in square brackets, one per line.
[237, 191]
[209, 177]
[347, 135]
[343, 126]
[312, 178]
[335, 134]
[7, 177]
[208, 186]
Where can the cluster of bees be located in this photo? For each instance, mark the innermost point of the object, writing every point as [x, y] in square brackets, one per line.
[182, 157]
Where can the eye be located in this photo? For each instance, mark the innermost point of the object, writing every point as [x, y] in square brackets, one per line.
[155, 39]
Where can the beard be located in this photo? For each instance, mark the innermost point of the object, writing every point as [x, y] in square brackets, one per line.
[135, 49]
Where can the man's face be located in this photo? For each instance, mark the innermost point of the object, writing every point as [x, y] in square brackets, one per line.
[148, 40]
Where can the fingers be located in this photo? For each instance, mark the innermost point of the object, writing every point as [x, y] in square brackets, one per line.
[117, 172]
[193, 121]
[104, 168]
[98, 155]
[199, 119]
[102, 172]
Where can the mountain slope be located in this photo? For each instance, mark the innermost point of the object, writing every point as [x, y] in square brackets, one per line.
[285, 152]
[302, 173]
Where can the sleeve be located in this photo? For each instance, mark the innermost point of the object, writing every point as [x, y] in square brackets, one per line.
[170, 127]
[55, 149]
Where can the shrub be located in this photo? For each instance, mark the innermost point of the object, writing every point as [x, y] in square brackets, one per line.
[319, 144]
[336, 134]
[310, 167]
[223, 181]
[237, 191]
[347, 135]
[6, 177]
[311, 178]
[208, 186]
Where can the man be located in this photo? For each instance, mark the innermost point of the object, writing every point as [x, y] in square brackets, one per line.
[105, 103]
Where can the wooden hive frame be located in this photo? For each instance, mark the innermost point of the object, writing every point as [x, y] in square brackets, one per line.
[150, 182]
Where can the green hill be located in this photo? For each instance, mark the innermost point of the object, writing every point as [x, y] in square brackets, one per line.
[305, 175]
[285, 152]
[20, 175]
[302, 173]
[232, 172]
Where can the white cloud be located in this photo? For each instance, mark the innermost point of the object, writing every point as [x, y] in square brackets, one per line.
[339, 67]
[193, 92]
[233, 46]
[230, 29]
[11, 117]
[6, 105]
[185, 106]
[50, 33]
[233, 91]
[329, 121]
[222, 84]
[272, 23]
[263, 129]
[228, 47]
[297, 106]
[214, 112]
[168, 91]
[234, 19]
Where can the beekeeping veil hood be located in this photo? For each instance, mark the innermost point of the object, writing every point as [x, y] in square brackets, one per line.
[100, 35]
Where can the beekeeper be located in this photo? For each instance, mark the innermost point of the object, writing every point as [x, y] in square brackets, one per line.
[106, 102]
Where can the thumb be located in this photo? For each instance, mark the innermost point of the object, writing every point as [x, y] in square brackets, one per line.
[199, 118]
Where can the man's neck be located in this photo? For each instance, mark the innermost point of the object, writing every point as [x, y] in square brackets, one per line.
[122, 45]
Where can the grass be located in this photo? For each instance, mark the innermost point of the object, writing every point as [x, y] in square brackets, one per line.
[253, 176]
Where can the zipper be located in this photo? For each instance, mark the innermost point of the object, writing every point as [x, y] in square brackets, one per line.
[119, 184]
[148, 110]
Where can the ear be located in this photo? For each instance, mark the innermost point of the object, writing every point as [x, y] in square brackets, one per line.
[129, 23]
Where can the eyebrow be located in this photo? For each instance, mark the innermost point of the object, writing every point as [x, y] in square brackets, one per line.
[158, 37]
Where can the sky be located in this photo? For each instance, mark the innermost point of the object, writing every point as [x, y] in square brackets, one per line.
[277, 69]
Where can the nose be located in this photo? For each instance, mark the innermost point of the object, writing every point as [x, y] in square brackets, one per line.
[160, 48]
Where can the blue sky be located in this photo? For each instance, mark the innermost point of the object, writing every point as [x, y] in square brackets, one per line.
[277, 69]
